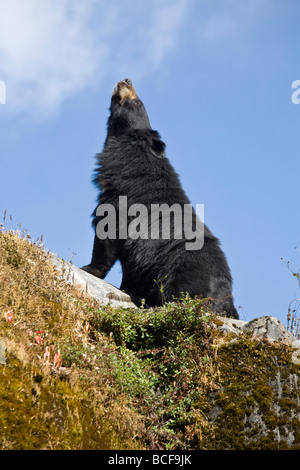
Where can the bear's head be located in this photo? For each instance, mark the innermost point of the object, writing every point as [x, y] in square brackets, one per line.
[127, 112]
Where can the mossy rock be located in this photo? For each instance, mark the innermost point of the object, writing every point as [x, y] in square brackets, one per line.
[257, 405]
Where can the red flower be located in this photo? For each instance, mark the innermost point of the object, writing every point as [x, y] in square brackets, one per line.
[8, 316]
[57, 359]
[47, 354]
[38, 339]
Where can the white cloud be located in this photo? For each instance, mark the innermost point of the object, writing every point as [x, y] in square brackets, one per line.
[52, 49]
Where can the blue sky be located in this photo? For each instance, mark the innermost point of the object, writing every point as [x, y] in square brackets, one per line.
[216, 79]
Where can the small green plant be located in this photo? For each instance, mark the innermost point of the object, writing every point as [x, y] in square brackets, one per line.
[161, 289]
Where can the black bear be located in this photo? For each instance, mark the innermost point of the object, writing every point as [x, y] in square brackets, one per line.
[159, 260]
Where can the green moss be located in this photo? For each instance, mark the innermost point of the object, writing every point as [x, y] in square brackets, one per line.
[271, 419]
[38, 412]
[287, 404]
[262, 394]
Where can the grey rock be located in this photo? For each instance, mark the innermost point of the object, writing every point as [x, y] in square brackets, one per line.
[2, 352]
[93, 286]
[230, 325]
[269, 328]
[263, 328]
[296, 352]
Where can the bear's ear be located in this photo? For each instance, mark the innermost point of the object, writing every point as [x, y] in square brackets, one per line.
[157, 147]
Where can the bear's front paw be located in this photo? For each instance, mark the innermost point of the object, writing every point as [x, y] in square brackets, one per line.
[92, 270]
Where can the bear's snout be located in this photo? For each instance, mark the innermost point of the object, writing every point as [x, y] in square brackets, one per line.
[124, 89]
[128, 82]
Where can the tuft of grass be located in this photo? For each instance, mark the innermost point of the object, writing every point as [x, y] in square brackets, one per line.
[293, 318]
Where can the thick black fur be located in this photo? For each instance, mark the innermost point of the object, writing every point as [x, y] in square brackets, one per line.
[133, 164]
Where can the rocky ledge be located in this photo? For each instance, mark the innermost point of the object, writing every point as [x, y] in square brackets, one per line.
[96, 288]
[263, 328]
